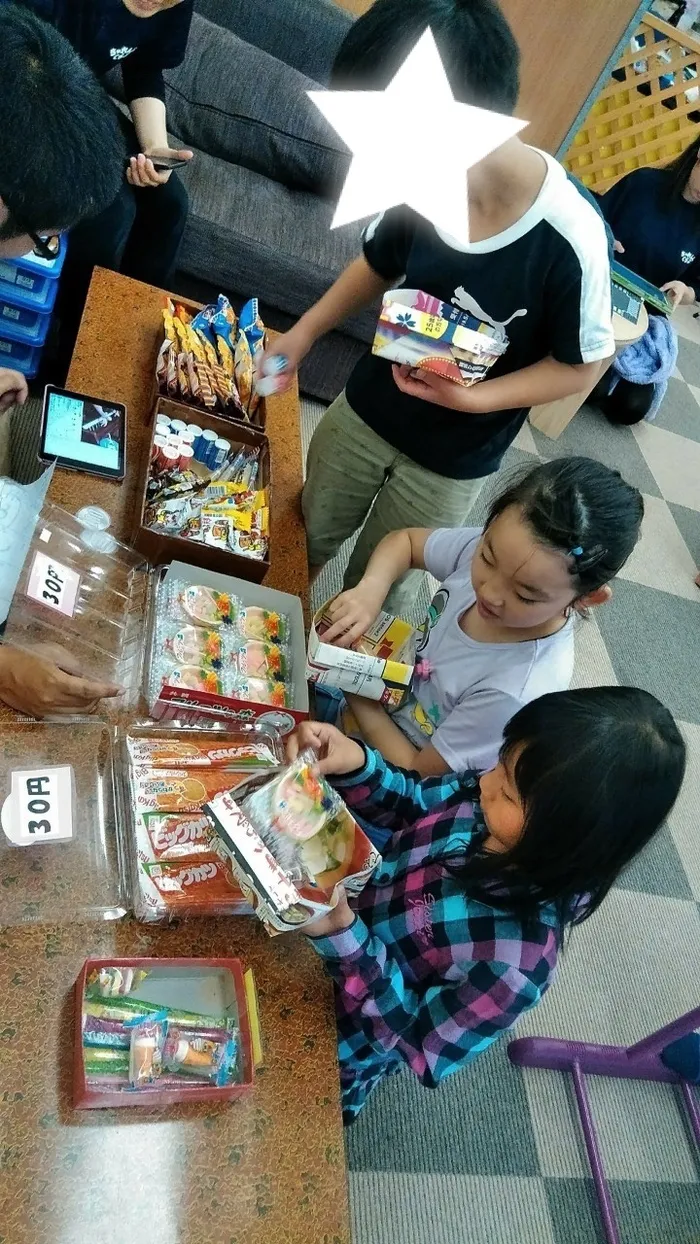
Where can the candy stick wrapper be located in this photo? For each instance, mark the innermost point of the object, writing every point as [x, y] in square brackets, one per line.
[146, 1052]
[125, 1009]
[111, 982]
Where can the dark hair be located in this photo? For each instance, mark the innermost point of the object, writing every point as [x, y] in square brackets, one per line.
[598, 771]
[476, 44]
[575, 504]
[63, 156]
[679, 170]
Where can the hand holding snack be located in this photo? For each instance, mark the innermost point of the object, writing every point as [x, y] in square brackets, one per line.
[337, 754]
[341, 917]
[436, 389]
[292, 347]
[352, 613]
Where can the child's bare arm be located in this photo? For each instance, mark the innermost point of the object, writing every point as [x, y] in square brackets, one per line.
[380, 732]
[542, 382]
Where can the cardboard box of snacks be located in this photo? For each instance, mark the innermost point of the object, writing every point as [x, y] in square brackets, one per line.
[420, 331]
[379, 666]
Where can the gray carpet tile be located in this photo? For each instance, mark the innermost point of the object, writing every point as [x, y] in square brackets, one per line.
[680, 411]
[688, 523]
[468, 1129]
[648, 1212]
[652, 640]
[689, 361]
[658, 869]
[589, 434]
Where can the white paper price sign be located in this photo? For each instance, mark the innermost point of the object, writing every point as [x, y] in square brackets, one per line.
[53, 584]
[39, 807]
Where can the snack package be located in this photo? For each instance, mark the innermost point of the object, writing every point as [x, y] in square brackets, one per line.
[193, 1054]
[257, 659]
[264, 624]
[146, 1052]
[290, 842]
[263, 691]
[179, 835]
[250, 748]
[194, 678]
[192, 884]
[202, 605]
[113, 982]
[179, 790]
[243, 370]
[195, 645]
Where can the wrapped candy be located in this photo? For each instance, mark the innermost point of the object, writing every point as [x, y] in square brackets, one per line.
[264, 624]
[187, 1053]
[175, 790]
[202, 883]
[253, 749]
[263, 691]
[146, 1052]
[111, 982]
[257, 659]
[204, 605]
[179, 835]
[195, 645]
[194, 678]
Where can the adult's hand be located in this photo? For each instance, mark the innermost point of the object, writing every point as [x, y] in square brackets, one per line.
[13, 388]
[336, 753]
[46, 680]
[141, 170]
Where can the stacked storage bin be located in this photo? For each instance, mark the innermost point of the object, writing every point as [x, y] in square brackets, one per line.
[28, 288]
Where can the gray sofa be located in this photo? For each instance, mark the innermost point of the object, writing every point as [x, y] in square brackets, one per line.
[266, 168]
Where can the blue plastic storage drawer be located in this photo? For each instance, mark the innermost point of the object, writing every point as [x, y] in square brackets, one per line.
[32, 274]
[20, 356]
[41, 298]
[21, 324]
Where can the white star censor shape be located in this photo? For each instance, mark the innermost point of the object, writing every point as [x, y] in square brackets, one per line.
[412, 143]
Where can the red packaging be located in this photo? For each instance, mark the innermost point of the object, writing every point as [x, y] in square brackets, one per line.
[203, 882]
[177, 790]
[186, 456]
[179, 835]
[87, 1097]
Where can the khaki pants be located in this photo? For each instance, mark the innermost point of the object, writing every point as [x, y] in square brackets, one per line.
[355, 479]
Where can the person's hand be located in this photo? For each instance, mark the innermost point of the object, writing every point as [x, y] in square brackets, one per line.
[141, 171]
[436, 389]
[677, 292]
[336, 754]
[341, 917]
[352, 613]
[46, 680]
[292, 347]
[618, 247]
[13, 388]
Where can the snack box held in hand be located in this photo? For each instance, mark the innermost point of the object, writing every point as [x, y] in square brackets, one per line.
[291, 841]
[379, 666]
[224, 648]
[153, 1032]
[161, 546]
[420, 331]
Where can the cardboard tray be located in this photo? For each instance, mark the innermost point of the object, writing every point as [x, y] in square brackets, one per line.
[232, 982]
[188, 411]
[160, 548]
[183, 704]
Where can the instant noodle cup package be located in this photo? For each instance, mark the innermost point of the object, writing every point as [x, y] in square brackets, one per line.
[291, 841]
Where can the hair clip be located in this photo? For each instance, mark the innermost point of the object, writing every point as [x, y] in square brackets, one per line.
[577, 552]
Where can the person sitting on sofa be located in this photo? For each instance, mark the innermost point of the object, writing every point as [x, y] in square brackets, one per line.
[139, 232]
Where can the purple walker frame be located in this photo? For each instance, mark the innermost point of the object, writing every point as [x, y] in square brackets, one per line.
[636, 1062]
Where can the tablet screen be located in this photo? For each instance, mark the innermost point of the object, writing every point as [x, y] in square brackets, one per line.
[84, 432]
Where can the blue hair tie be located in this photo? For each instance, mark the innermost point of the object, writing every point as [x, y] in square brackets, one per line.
[577, 552]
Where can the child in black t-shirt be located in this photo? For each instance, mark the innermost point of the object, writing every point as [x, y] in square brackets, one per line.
[413, 449]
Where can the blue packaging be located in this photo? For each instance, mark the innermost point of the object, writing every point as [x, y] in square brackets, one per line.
[41, 298]
[204, 446]
[218, 453]
[29, 272]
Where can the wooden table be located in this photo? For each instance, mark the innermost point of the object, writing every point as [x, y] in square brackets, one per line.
[269, 1169]
[554, 417]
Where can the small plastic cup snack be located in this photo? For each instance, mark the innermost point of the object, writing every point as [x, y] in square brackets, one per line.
[420, 331]
[177, 866]
[146, 1032]
[290, 841]
[208, 490]
[208, 360]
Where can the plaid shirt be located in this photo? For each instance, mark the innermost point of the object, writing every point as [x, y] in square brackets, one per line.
[425, 975]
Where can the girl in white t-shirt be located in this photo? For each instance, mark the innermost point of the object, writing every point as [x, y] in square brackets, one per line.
[499, 631]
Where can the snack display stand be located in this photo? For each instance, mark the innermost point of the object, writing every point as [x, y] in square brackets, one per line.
[228, 1170]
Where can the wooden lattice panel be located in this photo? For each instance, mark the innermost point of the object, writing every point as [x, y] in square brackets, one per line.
[625, 128]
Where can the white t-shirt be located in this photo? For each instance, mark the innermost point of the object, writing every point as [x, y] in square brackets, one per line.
[472, 689]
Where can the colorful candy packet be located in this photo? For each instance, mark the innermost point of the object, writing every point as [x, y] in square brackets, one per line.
[250, 751]
[125, 1009]
[177, 790]
[204, 883]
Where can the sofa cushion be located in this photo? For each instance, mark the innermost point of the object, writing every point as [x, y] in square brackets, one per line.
[241, 104]
[303, 33]
[252, 235]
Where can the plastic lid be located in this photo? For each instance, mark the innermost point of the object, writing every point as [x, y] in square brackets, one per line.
[93, 517]
[59, 858]
[99, 541]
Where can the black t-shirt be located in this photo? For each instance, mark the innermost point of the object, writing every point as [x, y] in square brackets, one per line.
[544, 283]
[661, 235]
[106, 34]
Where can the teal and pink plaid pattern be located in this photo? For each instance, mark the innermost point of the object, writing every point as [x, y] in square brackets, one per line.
[426, 976]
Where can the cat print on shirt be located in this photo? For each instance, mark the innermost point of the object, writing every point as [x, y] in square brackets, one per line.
[687, 257]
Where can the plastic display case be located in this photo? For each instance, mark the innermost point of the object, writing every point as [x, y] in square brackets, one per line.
[81, 589]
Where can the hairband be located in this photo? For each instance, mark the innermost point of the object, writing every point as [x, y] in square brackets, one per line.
[577, 552]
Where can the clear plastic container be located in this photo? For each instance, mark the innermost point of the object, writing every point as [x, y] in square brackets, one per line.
[60, 855]
[81, 589]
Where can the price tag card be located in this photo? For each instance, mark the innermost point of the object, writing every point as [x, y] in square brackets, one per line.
[39, 807]
[53, 584]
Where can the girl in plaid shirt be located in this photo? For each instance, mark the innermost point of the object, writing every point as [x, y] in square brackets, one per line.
[459, 930]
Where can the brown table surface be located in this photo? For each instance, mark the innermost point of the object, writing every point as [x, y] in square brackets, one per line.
[267, 1168]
